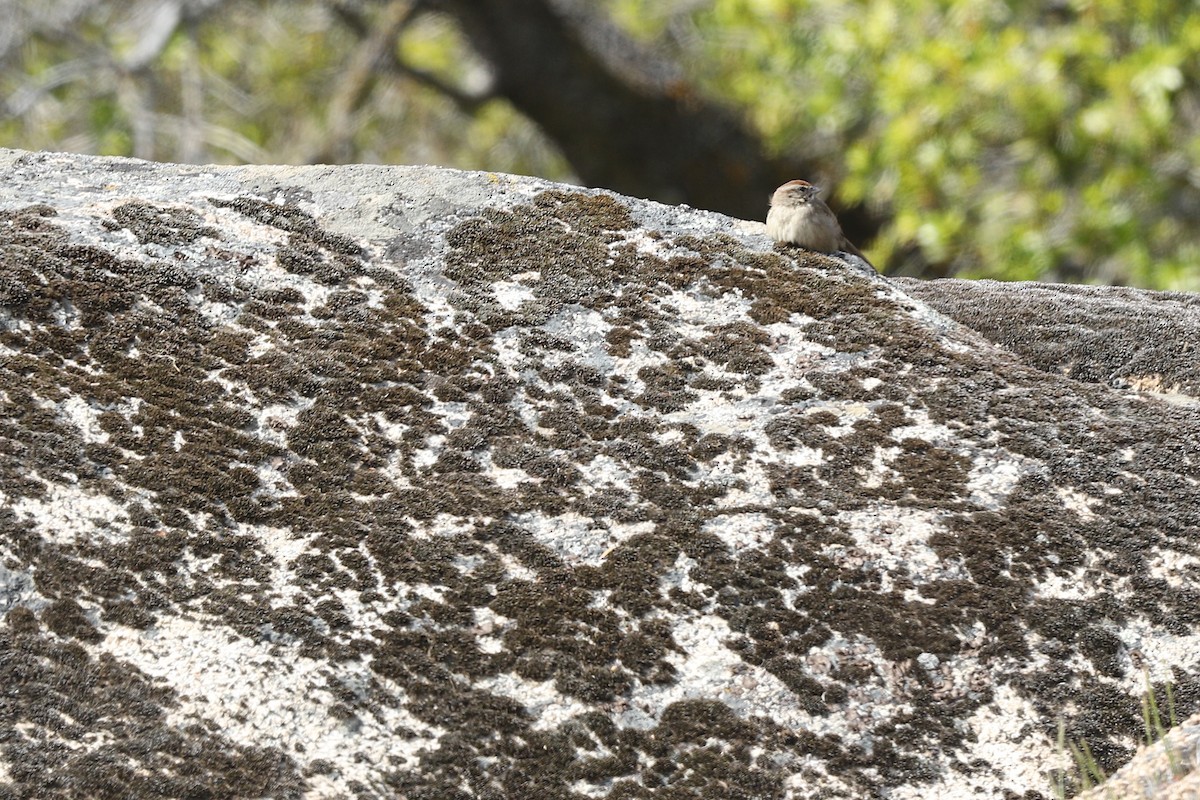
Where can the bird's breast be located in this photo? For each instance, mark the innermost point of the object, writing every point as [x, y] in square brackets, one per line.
[802, 226]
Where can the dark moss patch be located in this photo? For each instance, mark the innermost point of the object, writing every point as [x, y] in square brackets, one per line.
[66, 618]
[739, 347]
[665, 388]
[163, 225]
[329, 258]
[930, 472]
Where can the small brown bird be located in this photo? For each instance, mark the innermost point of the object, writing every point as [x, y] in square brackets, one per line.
[799, 216]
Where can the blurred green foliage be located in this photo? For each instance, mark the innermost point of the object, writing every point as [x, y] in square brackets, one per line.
[1012, 140]
[1007, 139]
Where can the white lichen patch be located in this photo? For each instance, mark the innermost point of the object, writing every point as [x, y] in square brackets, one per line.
[1180, 570]
[741, 532]
[708, 668]
[442, 525]
[994, 475]
[747, 481]
[515, 292]
[578, 539]
[1157, 651]
[250, 695]
[1071, 586]
[1007, 734]
[679, 576]
[1078, 502]
[69, 514]
[283, 545]
[489, 630]
[84, 416]
[895, 541]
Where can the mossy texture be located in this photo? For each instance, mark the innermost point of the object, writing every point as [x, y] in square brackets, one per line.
[554, 494]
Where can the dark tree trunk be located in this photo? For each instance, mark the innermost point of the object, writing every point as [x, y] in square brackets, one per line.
[661, 140]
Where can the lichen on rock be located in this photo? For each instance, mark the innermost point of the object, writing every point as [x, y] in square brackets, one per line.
[375, 481]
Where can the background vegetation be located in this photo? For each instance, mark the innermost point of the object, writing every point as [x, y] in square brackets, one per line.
[984, 138]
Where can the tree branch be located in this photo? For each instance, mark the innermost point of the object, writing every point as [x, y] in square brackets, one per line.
[670, 143]
[358, 79]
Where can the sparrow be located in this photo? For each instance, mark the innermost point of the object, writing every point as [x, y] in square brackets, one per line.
[798, 216]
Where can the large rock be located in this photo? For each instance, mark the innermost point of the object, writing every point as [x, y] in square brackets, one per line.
[408, 482]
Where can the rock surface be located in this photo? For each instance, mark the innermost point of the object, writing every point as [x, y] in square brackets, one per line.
[389, 481]
[1126, 338]
[1167, 770]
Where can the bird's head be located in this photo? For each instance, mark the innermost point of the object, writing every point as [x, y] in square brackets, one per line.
[794, 193]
